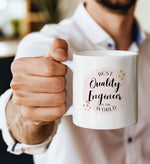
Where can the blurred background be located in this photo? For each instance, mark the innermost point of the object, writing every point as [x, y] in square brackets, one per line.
[20, 17]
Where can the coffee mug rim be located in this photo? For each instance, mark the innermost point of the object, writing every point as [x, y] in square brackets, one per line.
[120, 54]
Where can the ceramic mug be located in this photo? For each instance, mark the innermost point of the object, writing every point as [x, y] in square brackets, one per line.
[104, 89]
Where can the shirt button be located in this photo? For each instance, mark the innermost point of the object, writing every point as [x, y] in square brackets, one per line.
[129, 140]
[109, 45]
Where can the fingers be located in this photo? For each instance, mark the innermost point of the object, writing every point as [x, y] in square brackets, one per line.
[58, 50]
[38, 66]
[47, 65]
[42, 114]
[38, 84]
[39, 100]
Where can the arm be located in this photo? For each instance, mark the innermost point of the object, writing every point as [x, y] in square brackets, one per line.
[24, 130]
[38, 95]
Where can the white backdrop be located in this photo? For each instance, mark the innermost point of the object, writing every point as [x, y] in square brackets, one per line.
[142, 11]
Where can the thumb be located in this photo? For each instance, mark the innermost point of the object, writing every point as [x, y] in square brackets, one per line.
[58, 50]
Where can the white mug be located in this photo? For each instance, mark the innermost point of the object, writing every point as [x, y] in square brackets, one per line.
[104, 89]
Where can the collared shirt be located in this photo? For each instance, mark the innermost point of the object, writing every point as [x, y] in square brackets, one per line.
[72, 144]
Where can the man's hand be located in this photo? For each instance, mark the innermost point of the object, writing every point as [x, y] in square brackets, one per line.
[38, 93]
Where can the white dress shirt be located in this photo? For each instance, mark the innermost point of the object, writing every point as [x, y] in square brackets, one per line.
[72, 144]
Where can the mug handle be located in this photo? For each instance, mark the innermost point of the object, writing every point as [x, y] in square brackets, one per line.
[70, 65]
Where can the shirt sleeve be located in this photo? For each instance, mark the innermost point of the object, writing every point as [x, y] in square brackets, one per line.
[13, 146]
[33, 45]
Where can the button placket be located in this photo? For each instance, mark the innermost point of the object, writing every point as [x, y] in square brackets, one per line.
[127, 146]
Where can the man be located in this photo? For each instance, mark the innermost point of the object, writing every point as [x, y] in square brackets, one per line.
[39, 95]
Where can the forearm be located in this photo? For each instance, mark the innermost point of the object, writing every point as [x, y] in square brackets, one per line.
[23, 130]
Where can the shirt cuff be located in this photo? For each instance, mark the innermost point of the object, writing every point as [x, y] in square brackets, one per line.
[13, 146]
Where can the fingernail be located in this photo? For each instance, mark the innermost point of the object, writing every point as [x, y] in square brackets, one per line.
[60, 51]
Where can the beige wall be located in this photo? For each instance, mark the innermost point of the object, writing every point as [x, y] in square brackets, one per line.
[67, 7]
[142, 11]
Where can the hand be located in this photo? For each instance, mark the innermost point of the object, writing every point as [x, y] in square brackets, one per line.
[39, 84]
